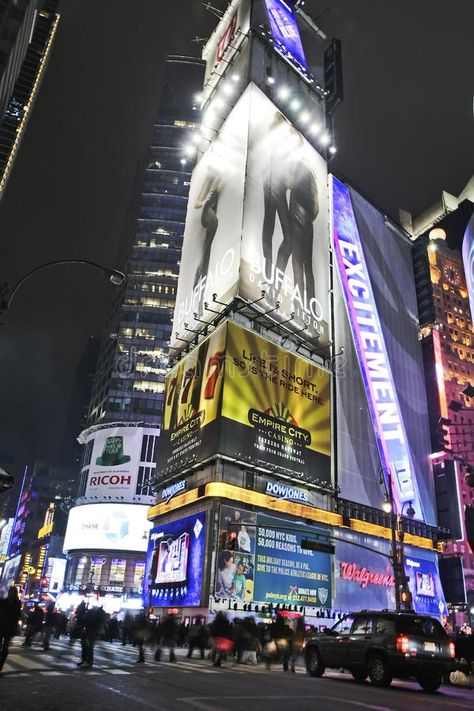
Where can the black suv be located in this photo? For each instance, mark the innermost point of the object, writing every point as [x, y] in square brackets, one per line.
[383, 645]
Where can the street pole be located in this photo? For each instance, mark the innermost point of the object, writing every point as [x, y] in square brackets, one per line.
[395, 553]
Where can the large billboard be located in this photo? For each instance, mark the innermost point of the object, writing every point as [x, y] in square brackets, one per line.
[121, 527]
[257, 225]
[375, 317]
[242, 396]
[424, 583]
[174, 564]
[282, 19]
[112, 471]
[260, 558]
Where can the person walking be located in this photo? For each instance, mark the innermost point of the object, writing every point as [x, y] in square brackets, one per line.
[93, 621]
[34, 623]
[168, 635]
[141, 635]
[221, 632]
[49, 622]
[196, 637]
[282, 635]
[10, 612]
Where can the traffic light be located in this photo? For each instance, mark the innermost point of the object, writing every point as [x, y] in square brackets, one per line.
[441, 443]
[232, 540]
[406, 598]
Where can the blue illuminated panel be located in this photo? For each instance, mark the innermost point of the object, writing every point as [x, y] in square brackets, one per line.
[372, 354]
[281, 16]
[174, 563]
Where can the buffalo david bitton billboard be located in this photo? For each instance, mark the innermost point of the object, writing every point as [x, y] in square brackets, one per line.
[241, 396]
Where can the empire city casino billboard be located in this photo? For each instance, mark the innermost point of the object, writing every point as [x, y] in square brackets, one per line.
[257, 223]
[241, 396]
[375, 315]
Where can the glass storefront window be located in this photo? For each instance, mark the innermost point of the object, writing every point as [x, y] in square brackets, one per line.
[138, 575]
[117, 571]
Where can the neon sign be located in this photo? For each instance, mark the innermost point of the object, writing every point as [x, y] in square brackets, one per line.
[372, 353]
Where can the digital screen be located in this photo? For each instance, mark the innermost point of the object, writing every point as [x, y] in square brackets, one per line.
[425, 585]
[173, 560]
[260, 558]
[174, 563]
[107, 527]
[281, 16]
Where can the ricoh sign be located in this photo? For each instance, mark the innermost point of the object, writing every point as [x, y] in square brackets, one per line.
[114, 463]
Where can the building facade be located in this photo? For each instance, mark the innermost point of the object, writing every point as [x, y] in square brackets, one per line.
[27, 31]
[289, 413]
[443, 269]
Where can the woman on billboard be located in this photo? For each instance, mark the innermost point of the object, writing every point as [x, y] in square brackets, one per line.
[207, 200]
[275, 187]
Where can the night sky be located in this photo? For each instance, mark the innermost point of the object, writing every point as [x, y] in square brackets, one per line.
[404, 133]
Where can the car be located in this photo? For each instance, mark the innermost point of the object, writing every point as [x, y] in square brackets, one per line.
[383, 645]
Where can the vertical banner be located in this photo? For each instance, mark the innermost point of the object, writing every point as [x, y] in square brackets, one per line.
[285, 246]
[372, 354]
[425, 586]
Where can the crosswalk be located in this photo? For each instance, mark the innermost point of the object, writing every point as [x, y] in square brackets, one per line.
[110, 659]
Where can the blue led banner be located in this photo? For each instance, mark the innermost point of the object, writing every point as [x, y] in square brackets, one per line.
[281, 16]
[425, 586]
[174, 563]
[372, 354]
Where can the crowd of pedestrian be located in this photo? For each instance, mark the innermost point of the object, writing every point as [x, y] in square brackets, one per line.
[243, 640]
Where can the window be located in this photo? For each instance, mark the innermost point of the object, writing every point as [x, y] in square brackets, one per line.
[361, 627]
[382, 625]
[138, 575]
[117, 571]
[343, 626]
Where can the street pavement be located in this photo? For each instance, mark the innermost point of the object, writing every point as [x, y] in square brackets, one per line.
[51, 681]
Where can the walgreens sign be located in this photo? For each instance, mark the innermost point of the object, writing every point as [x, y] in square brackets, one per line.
[364, 576]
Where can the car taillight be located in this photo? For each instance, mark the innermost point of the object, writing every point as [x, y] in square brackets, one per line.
[452, 650]
[402, 644]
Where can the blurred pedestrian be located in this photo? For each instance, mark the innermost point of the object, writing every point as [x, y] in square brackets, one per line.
[127, 629]
[168, 636]
[34, 624]
[49, 621]
[221, 632]
[112, 629]
[94, 620]
[282, 635]
[10, 613]
[197, 637]
[141, 635]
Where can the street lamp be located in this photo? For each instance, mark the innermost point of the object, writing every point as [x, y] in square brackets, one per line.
[116, 277]
[397, 535]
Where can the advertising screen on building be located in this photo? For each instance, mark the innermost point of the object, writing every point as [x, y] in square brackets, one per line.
[379, 333]
[122, 527]
[363, 576]
[5, 535]
[114, 462]
[425, 585]
[175, 560]
[282, 18]
[239, 395]
[285, 245]
[257, 221]
[260, 558]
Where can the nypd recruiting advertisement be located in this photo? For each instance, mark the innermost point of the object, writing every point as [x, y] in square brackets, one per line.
[174, 563]
[260, 558]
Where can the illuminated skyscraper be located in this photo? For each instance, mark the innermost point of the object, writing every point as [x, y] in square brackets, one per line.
[27, 30]
[442, 271]
[129, 380]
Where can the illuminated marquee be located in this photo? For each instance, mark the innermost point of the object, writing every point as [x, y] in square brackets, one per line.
[372, 352]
